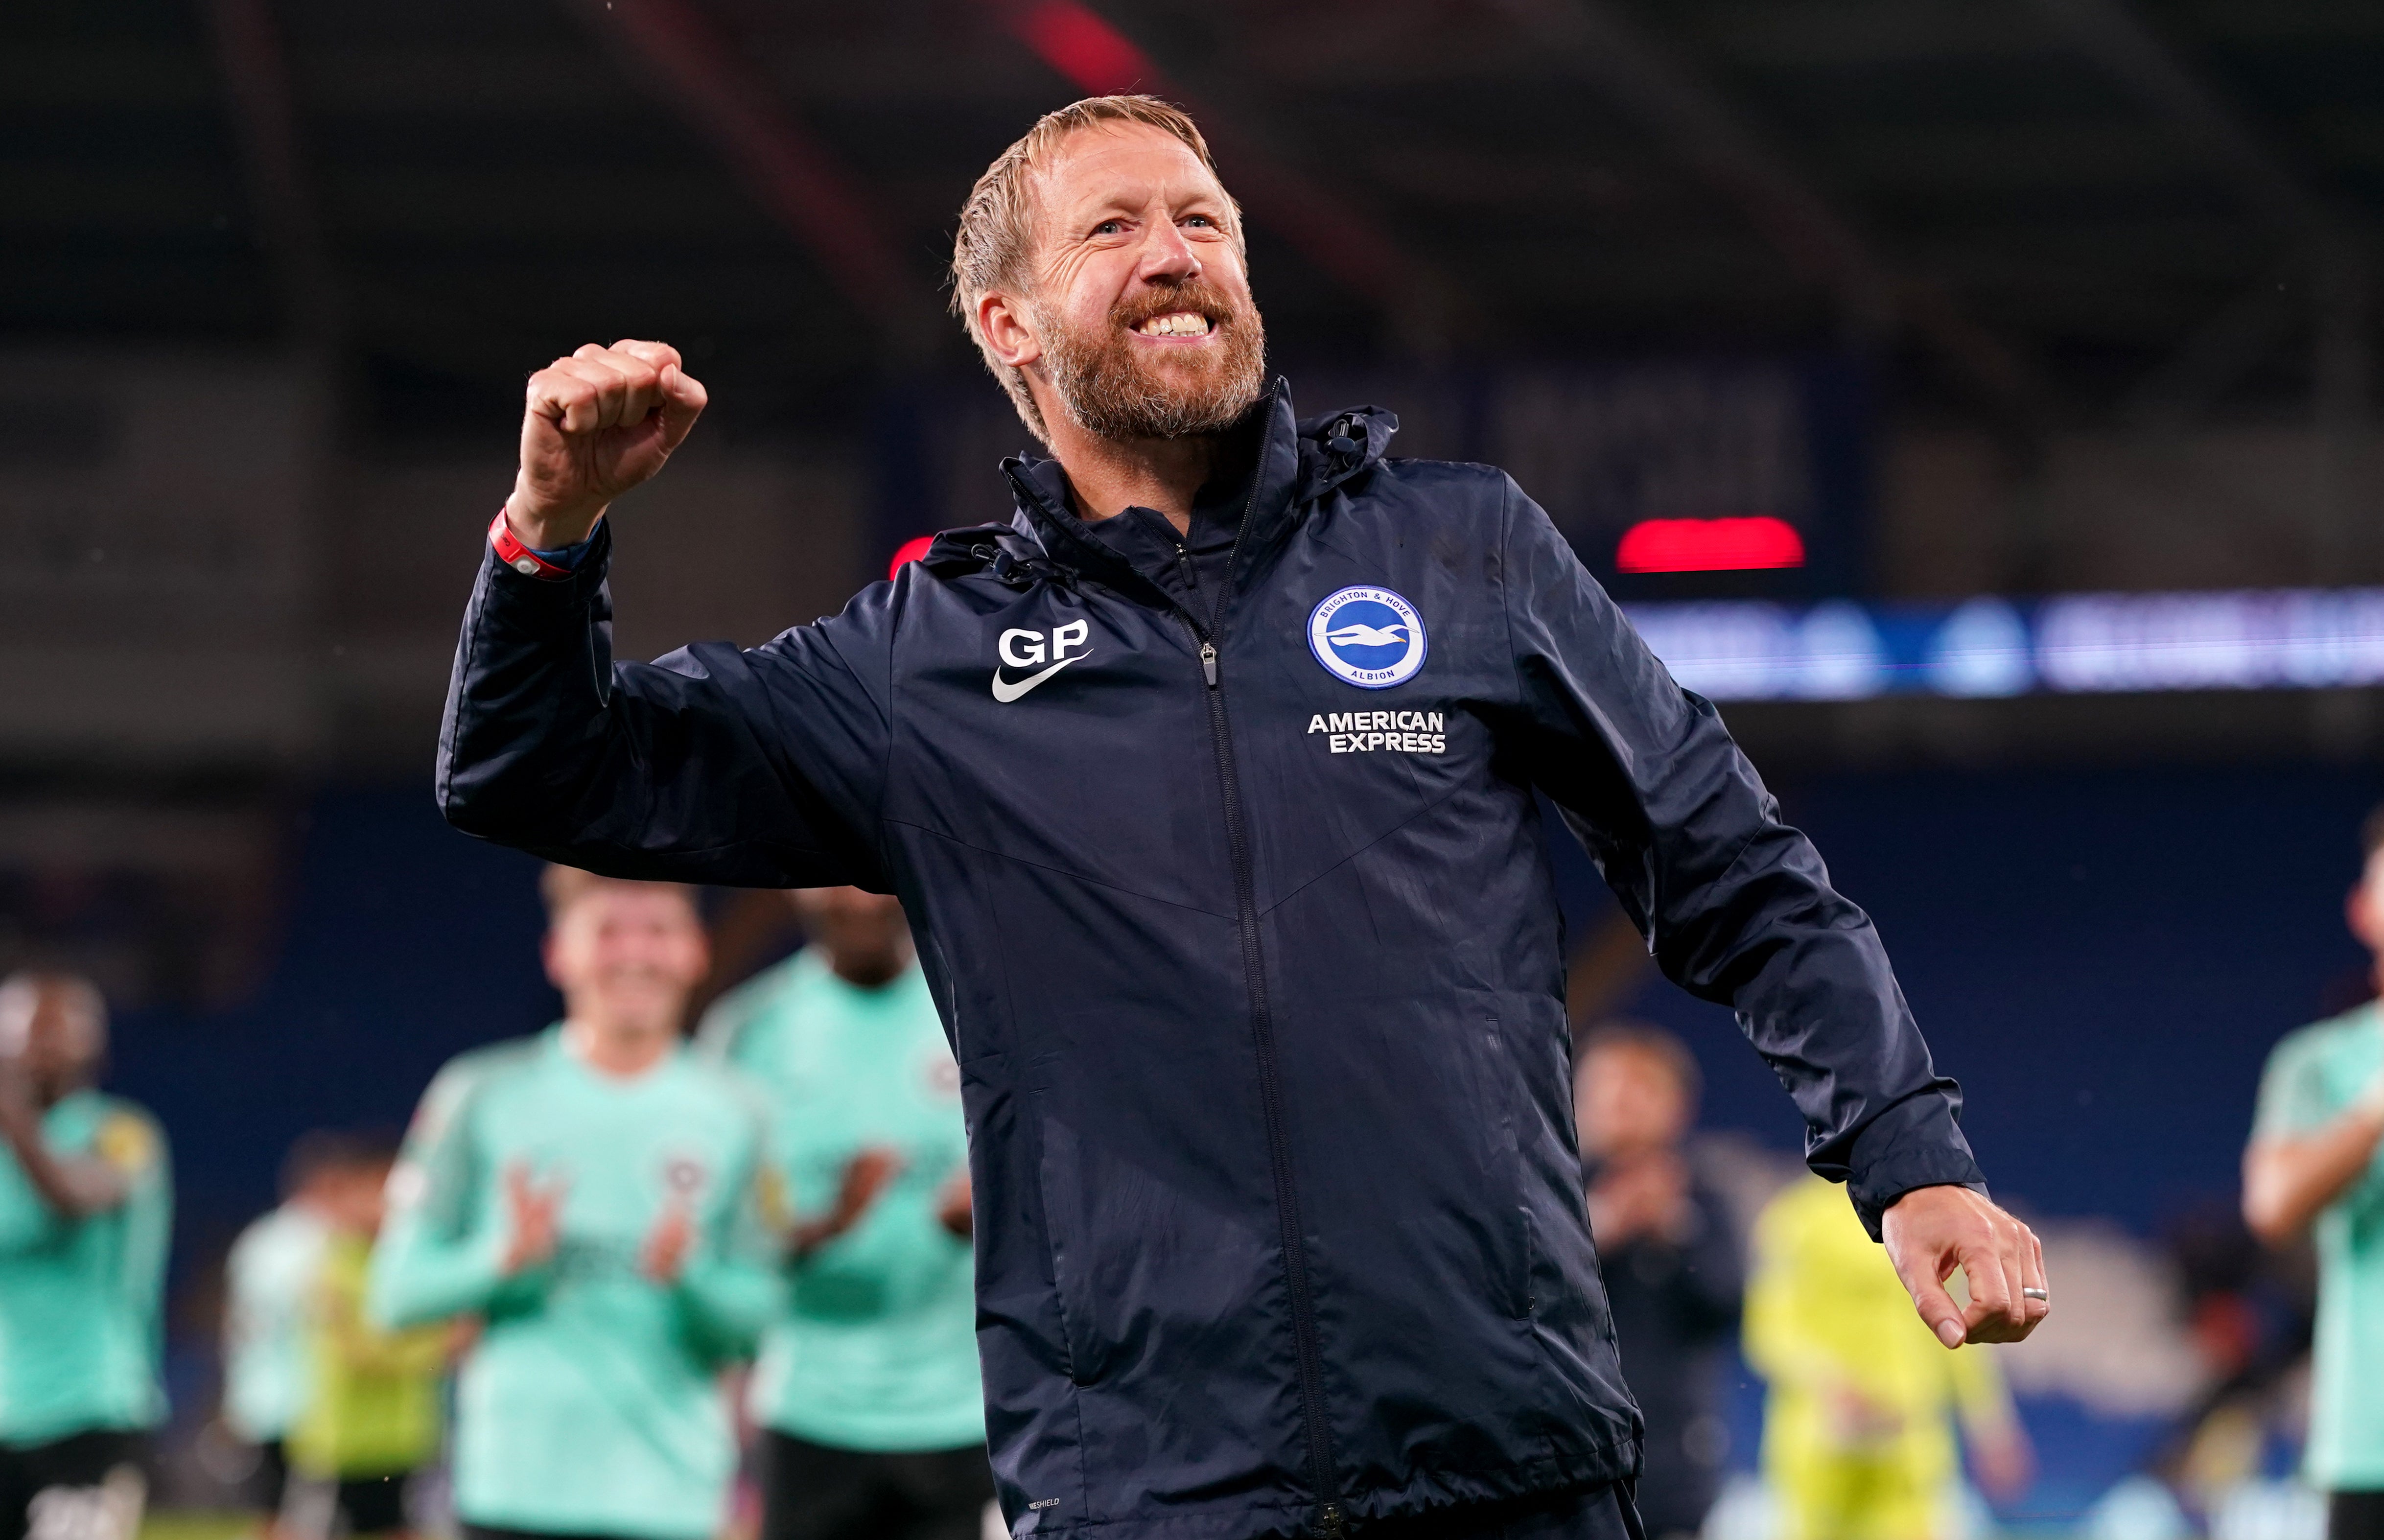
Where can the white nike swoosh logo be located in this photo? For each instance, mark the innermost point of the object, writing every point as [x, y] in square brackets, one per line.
[1005, 692]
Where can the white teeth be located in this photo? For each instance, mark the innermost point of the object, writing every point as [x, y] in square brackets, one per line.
[1181, 324]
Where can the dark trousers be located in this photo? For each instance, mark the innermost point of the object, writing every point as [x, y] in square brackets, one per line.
[272, 1476]
[315, 1507]
[1602, 1513]
[1606, 1514]
[87, 1484]
[813, 1492]
[2354, 1516]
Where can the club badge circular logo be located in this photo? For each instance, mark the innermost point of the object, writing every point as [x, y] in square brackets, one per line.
[683, 1174]
[1367, 637]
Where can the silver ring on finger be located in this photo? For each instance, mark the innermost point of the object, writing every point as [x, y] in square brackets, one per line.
[2046, 1295]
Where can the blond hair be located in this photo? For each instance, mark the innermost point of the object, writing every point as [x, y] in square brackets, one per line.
[562, 886]
[997, 230]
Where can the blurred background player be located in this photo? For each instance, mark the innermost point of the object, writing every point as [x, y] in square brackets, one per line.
[86, 1212]
[2313, 1159]
[268, 1277]
[370, 1421]
[1859, 1437]
[868, 1395]
[1671, 1258]
[590, 1194]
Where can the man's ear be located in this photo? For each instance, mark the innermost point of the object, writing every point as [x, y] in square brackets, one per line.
[1002, 322]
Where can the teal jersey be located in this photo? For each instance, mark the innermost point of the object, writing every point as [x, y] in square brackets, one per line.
[268, 1281]
[2312, 1076]
[877, 1349]
[80, 1298]
[590, 1404]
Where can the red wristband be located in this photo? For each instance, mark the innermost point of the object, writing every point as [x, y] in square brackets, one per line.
[519, 557]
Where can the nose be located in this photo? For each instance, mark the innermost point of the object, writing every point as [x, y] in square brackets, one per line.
[1167, 257]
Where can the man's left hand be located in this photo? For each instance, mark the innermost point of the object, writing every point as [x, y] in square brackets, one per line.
[1931, 1231]
[664, 1257]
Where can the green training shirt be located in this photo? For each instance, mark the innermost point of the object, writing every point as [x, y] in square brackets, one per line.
[590, 1404]
[272, 1266]
[2312, 1076]
[877, 1349]
[80, 1327]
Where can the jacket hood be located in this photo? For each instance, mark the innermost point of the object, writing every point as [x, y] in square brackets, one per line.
[1340, 447]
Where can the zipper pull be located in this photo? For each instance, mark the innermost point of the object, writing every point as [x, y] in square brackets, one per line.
[1208, 663]
[1328, 1522]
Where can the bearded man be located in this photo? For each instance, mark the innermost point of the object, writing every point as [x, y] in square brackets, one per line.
[1208, 782]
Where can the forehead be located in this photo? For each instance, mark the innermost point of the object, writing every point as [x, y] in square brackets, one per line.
[624, 903]
[61, 1002]
[70, 1019]
[1127, 163]
[1627, 1058]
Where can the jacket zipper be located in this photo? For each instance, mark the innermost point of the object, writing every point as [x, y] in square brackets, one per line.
[1321, 1474]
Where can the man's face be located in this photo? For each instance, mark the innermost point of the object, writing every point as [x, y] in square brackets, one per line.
[864, 935]
[1628, 1101]
[354, 1200]
[627, 954]
[1139, 319]
[52, 1033]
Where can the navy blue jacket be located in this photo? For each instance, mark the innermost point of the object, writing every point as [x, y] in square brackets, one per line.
[1239, 912]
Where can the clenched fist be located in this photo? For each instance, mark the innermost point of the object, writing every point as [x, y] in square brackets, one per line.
[596, 424]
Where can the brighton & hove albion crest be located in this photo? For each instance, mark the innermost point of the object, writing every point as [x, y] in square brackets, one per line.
[683, 1176]
[1367, 637]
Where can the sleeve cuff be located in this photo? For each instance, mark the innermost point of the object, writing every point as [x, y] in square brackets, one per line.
[550, 565]
[567, 557]
[573, 585]
[1917, 1143]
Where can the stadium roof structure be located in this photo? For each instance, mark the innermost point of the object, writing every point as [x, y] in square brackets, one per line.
[2039, 211]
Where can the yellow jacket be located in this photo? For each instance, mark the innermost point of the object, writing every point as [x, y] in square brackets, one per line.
[374, 1407]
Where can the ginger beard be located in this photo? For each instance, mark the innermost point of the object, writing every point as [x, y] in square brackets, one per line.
[1115, 387]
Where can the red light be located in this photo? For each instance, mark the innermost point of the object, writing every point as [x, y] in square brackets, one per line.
[1077, 43]
[907, 552]
[1709, 545]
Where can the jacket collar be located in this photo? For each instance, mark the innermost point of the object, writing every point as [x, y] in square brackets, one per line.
[1298, 464]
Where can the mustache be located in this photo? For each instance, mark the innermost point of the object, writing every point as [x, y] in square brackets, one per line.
[1194, 294]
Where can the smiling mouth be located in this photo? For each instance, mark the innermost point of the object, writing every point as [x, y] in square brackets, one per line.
[1180, 323]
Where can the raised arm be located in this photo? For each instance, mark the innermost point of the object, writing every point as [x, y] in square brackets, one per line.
[1737, 908]
[2308, 1147]
[713, 764]
[70, 1186]
[2287, 1181]
[442, 1252]
[729, 1287]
